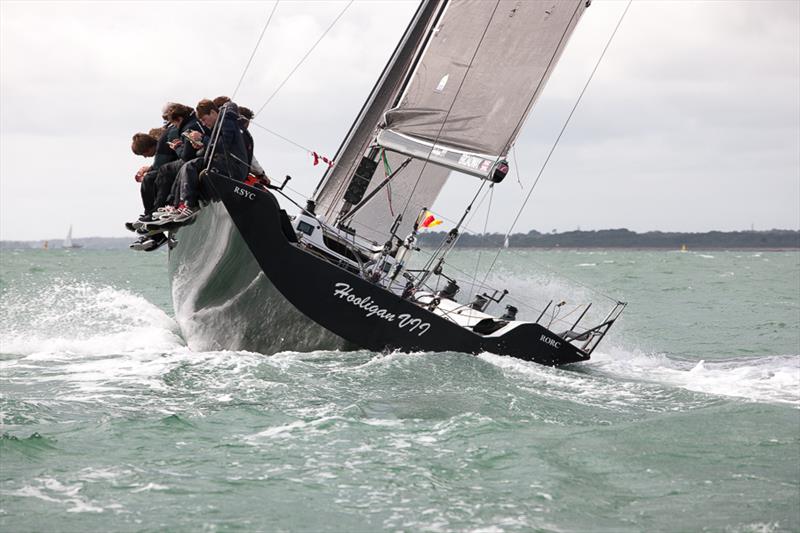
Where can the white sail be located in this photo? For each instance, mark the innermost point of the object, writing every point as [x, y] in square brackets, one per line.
[330, 192]
[484, 68]
[68, 239]
[454, 96]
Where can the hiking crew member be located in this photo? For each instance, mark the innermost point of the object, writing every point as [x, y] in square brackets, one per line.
[153, 144]
[171, 187]
[257, 172]
[227, 157]
[182, 121]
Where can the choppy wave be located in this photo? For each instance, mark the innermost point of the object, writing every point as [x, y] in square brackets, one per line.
[769, 378]
[67, 318]
[101, 340]
[51, 490]
[625, 379]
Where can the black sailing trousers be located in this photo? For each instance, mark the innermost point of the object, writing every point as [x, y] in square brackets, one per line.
[164, 183]
[148, 191]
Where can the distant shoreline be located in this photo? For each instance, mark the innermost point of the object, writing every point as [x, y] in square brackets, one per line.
[638, 248]
[613, 239]
[624, 239]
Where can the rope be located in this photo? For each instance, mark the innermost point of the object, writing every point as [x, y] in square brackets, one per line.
[275, 92]
[516, 166]
[466, 276]
[490, 192]
[249, 61]
[387, 171]
[480, 251]
[278, 135]
[543, 79]
[561, 133]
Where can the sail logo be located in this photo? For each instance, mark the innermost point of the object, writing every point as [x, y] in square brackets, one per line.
[552, 342]
[247, 194]
[403, 321]
[474, 162]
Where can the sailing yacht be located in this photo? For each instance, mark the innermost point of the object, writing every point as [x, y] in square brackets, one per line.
[68, 240]
[337, 272]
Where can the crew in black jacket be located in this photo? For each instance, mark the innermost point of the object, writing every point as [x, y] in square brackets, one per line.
[183, 121]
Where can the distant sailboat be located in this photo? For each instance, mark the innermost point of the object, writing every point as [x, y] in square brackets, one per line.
[68, 240]
[505, 242]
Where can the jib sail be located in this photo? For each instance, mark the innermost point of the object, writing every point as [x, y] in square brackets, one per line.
[485, 66]
[453, 97]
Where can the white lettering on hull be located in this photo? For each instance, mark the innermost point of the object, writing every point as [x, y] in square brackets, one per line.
[552, 342]
[403, 321]
[243, 192]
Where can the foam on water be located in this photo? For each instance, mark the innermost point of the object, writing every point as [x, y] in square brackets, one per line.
[53, 491]
[592, 390]
[621, 379]
[100, 335]
[113, 422]
[66, 318]
[771, 378]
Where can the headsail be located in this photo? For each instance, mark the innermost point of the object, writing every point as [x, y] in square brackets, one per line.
[455, 94]
[484, 68]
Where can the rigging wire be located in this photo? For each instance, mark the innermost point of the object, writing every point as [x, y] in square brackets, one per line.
[516, 166]
[275, 92]
[489, 193]
[465, 275]
[473, 278]
[249, 61]
[278, 135]
[558, 138]
[483, 236]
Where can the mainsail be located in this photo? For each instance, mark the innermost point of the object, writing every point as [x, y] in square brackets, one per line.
[478, 67]
[68, 239]
[484, 68]
[384, 95]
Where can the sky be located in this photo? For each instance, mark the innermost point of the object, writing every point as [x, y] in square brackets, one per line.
[691, 122]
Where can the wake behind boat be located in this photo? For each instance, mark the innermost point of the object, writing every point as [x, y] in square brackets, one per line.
[337, 273]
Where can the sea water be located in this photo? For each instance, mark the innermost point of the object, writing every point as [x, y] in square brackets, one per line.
[687, 418]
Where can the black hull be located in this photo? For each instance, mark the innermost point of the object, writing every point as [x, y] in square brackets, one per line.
[223, 301]
[300, 298]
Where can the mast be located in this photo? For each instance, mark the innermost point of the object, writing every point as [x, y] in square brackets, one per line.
[384, 94]
[453, 97]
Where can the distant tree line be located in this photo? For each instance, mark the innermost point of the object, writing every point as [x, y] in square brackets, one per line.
[607, 238]
[624, 238]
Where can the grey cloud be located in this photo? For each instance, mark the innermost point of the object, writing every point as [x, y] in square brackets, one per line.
[692, 121]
